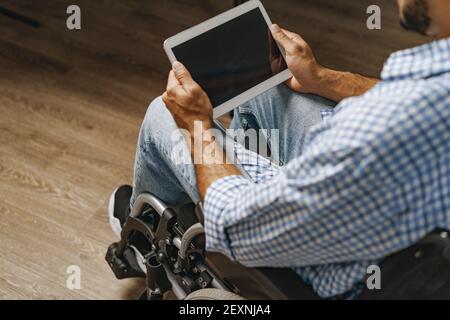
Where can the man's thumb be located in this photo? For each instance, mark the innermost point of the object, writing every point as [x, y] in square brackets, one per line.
[181, 73]
[280, 36]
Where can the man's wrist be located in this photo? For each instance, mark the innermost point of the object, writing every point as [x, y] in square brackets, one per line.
[317, 80]
[197, 134]
[330, 84]
[322, 79]
[337, 85]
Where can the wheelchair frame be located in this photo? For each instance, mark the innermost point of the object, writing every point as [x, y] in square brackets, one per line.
[164, 238]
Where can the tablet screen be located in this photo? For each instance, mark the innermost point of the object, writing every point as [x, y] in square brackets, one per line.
[233, 57]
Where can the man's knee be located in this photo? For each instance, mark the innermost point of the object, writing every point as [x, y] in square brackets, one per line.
[161, 137]
[158, 122]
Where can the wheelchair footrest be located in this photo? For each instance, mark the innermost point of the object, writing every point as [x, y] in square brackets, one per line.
[126, 266]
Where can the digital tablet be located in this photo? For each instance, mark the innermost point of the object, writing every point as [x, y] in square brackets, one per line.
[232, 56]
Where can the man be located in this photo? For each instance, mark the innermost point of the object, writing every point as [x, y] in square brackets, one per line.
[356, 183]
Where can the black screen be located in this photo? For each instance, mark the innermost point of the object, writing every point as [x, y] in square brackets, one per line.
[233, 57]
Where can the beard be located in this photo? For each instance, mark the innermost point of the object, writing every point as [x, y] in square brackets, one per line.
[415, 17]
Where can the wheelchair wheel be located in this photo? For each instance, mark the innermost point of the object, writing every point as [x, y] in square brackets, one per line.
[213, 294]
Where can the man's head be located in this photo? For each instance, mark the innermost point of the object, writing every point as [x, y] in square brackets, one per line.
[428, 17]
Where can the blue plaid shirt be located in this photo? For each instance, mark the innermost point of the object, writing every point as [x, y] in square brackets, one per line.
[373, 178]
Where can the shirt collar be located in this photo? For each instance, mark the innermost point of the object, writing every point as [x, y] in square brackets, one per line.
[420, 62]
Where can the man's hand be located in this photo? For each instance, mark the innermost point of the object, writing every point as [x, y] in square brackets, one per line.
[186, 100]
[311, 77]
[300, 60]
[189, 103]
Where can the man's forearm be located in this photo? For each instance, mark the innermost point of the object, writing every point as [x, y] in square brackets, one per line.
[337, 85]
[209, 166]
[208, 174]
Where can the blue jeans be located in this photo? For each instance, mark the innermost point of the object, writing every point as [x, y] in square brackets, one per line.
[174, 182]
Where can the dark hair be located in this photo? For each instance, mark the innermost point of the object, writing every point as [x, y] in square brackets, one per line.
[415, 16]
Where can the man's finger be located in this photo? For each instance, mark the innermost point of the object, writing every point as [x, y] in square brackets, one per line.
[181, 73]
[294, 36]
[172, 81]
[165, 98]
[291, 34]
[281, 37]
[174, 88]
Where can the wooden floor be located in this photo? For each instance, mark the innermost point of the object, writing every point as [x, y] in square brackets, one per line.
[71, 103]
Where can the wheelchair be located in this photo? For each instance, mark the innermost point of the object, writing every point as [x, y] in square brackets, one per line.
[165, 245]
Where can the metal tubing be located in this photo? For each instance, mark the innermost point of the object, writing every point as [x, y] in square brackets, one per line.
[188, 236]
[147, 198]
